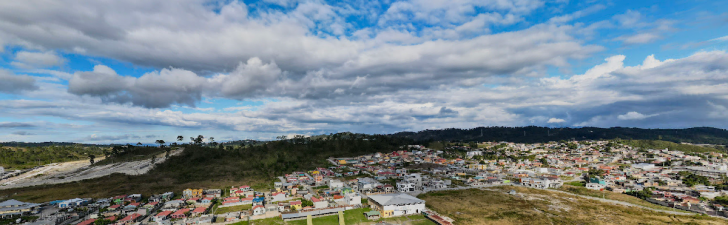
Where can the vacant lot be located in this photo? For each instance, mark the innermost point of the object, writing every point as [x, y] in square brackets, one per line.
[614, 196]
[531, 206]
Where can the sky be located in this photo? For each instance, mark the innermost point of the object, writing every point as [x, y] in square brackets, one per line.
[132, 71]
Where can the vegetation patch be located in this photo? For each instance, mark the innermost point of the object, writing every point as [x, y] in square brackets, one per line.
[533, 206]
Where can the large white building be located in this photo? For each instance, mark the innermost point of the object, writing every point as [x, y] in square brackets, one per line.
[398, 204]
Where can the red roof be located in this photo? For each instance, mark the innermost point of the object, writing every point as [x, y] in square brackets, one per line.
[295, 203]
[87, 222]
[120, 197]
[207, 199]
[164, 214]
[314, 199]
[153, 203]
[257, 206]
[131, 217]
[199, 210]
[246, 186]
[111, 218]
[114, 206]
[135, 204]
[180, 212]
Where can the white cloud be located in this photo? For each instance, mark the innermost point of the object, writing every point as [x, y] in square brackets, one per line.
[30, 60]
[555, 120]
[641, 38]
[724, 38]
[632, 116]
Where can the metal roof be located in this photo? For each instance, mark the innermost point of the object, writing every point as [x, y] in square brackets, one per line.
[395, 199]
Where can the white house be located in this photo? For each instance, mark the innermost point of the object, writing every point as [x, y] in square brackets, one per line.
[258, 210]
[278, 196]
[353, 199]
[367, 183]
[406, 186]
[595, 186]
[396, 204]
[643, 166]
[334, 184]
[544, 182]
[319, 203]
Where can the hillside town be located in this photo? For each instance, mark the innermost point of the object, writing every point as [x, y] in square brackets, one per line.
[385, 185]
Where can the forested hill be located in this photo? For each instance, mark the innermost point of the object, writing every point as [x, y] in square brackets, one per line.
[533, 134]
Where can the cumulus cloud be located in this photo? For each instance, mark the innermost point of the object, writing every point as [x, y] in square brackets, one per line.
[155, 89]
[14, 84]
[314, 71]
[29, 60]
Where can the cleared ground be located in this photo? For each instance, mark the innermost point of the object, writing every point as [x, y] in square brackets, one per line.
[59, 173]
[533, 206]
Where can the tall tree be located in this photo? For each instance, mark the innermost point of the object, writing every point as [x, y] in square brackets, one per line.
[180, 138]
[91, 158]
[160, 142]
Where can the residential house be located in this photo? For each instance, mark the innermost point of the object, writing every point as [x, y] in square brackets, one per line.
[212, 193]
[192, 193]
[206, 201]
[278, 196]
[162, 216]
[258, 210]
[295, 205]
[198, 211]
[352, 198]
[319, 203]
[130, 219]
[182, 213]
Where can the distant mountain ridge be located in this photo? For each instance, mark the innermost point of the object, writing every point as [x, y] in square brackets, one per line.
[533, 134]
[47, 144]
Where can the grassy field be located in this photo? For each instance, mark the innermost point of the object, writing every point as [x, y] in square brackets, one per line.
[236, 208]
[576, 183]
[613, 196]
[532, 206]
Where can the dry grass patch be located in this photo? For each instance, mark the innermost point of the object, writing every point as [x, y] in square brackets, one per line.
[530, 206]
